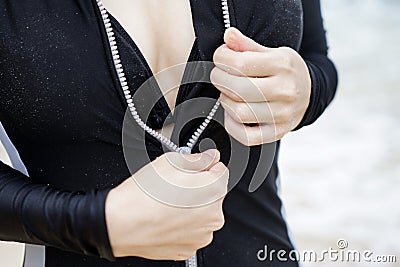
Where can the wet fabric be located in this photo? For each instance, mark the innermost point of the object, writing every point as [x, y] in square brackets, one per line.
[62, 107]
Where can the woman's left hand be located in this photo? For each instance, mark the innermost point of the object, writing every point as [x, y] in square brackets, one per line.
[265, 91]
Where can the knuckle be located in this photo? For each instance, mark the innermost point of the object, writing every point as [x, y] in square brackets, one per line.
[219, 223]
[294, 90]
[285, 64]
[206, 241]
[289, 94]
[280, 132]
[285, 59]
[284, 115]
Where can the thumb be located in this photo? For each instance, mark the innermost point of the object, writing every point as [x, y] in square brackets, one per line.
[194, 162]
[238, 42]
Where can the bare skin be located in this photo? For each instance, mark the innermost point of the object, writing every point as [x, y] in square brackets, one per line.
[265, 91]
[139, 225]
[163, 35]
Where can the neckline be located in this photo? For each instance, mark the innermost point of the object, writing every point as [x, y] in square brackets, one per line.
[119, 70]
[162, 102]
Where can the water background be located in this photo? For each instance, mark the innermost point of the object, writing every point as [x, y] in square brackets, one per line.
[341, 176]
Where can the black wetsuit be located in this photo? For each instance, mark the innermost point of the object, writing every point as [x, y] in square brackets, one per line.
[63, 109]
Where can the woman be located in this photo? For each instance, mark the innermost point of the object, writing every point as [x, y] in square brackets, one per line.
[72, 94]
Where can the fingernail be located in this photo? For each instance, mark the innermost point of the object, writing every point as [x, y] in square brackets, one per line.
[229, 35]
[231, 39]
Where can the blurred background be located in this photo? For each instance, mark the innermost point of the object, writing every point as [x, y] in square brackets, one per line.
[341, 176]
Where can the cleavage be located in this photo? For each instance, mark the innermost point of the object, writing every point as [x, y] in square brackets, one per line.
[163, 32]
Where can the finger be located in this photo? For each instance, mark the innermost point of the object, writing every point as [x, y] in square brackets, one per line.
[244, 89]
[202, 188]
[218, 168]
[249, 63]
[243, 112]
[220, 184]
[252, 136]
[260, 113]
[238, 88]
[237, 41]
[282, 113]
[194, 162]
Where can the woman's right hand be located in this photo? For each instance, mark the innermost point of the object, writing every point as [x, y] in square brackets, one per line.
[140, 225]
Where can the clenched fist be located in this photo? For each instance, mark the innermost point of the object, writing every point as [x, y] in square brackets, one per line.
[265, 91]
[140, 225]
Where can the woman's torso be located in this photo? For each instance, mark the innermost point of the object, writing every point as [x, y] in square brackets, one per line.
[64, 111]
[164, 33]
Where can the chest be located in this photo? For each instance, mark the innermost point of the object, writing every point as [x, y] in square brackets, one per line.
[164, 33]
[57, 78]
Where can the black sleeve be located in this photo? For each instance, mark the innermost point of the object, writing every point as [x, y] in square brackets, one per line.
[40, 214]
[314, 51]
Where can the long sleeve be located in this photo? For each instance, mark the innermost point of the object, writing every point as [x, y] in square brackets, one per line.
[40, 214]
[314, 51]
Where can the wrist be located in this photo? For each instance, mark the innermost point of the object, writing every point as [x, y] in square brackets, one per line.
[121, 217]
[114, 221]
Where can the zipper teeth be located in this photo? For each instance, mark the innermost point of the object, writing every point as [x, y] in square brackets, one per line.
[123, 82]
[196, 135]
[192, 262]
[127, 93]
[225, 13]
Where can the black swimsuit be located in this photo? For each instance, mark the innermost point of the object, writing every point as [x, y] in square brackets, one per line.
[63, 109]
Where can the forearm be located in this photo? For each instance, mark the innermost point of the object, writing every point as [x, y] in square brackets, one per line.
[324, 82]
[314, 50]
[40, 214]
